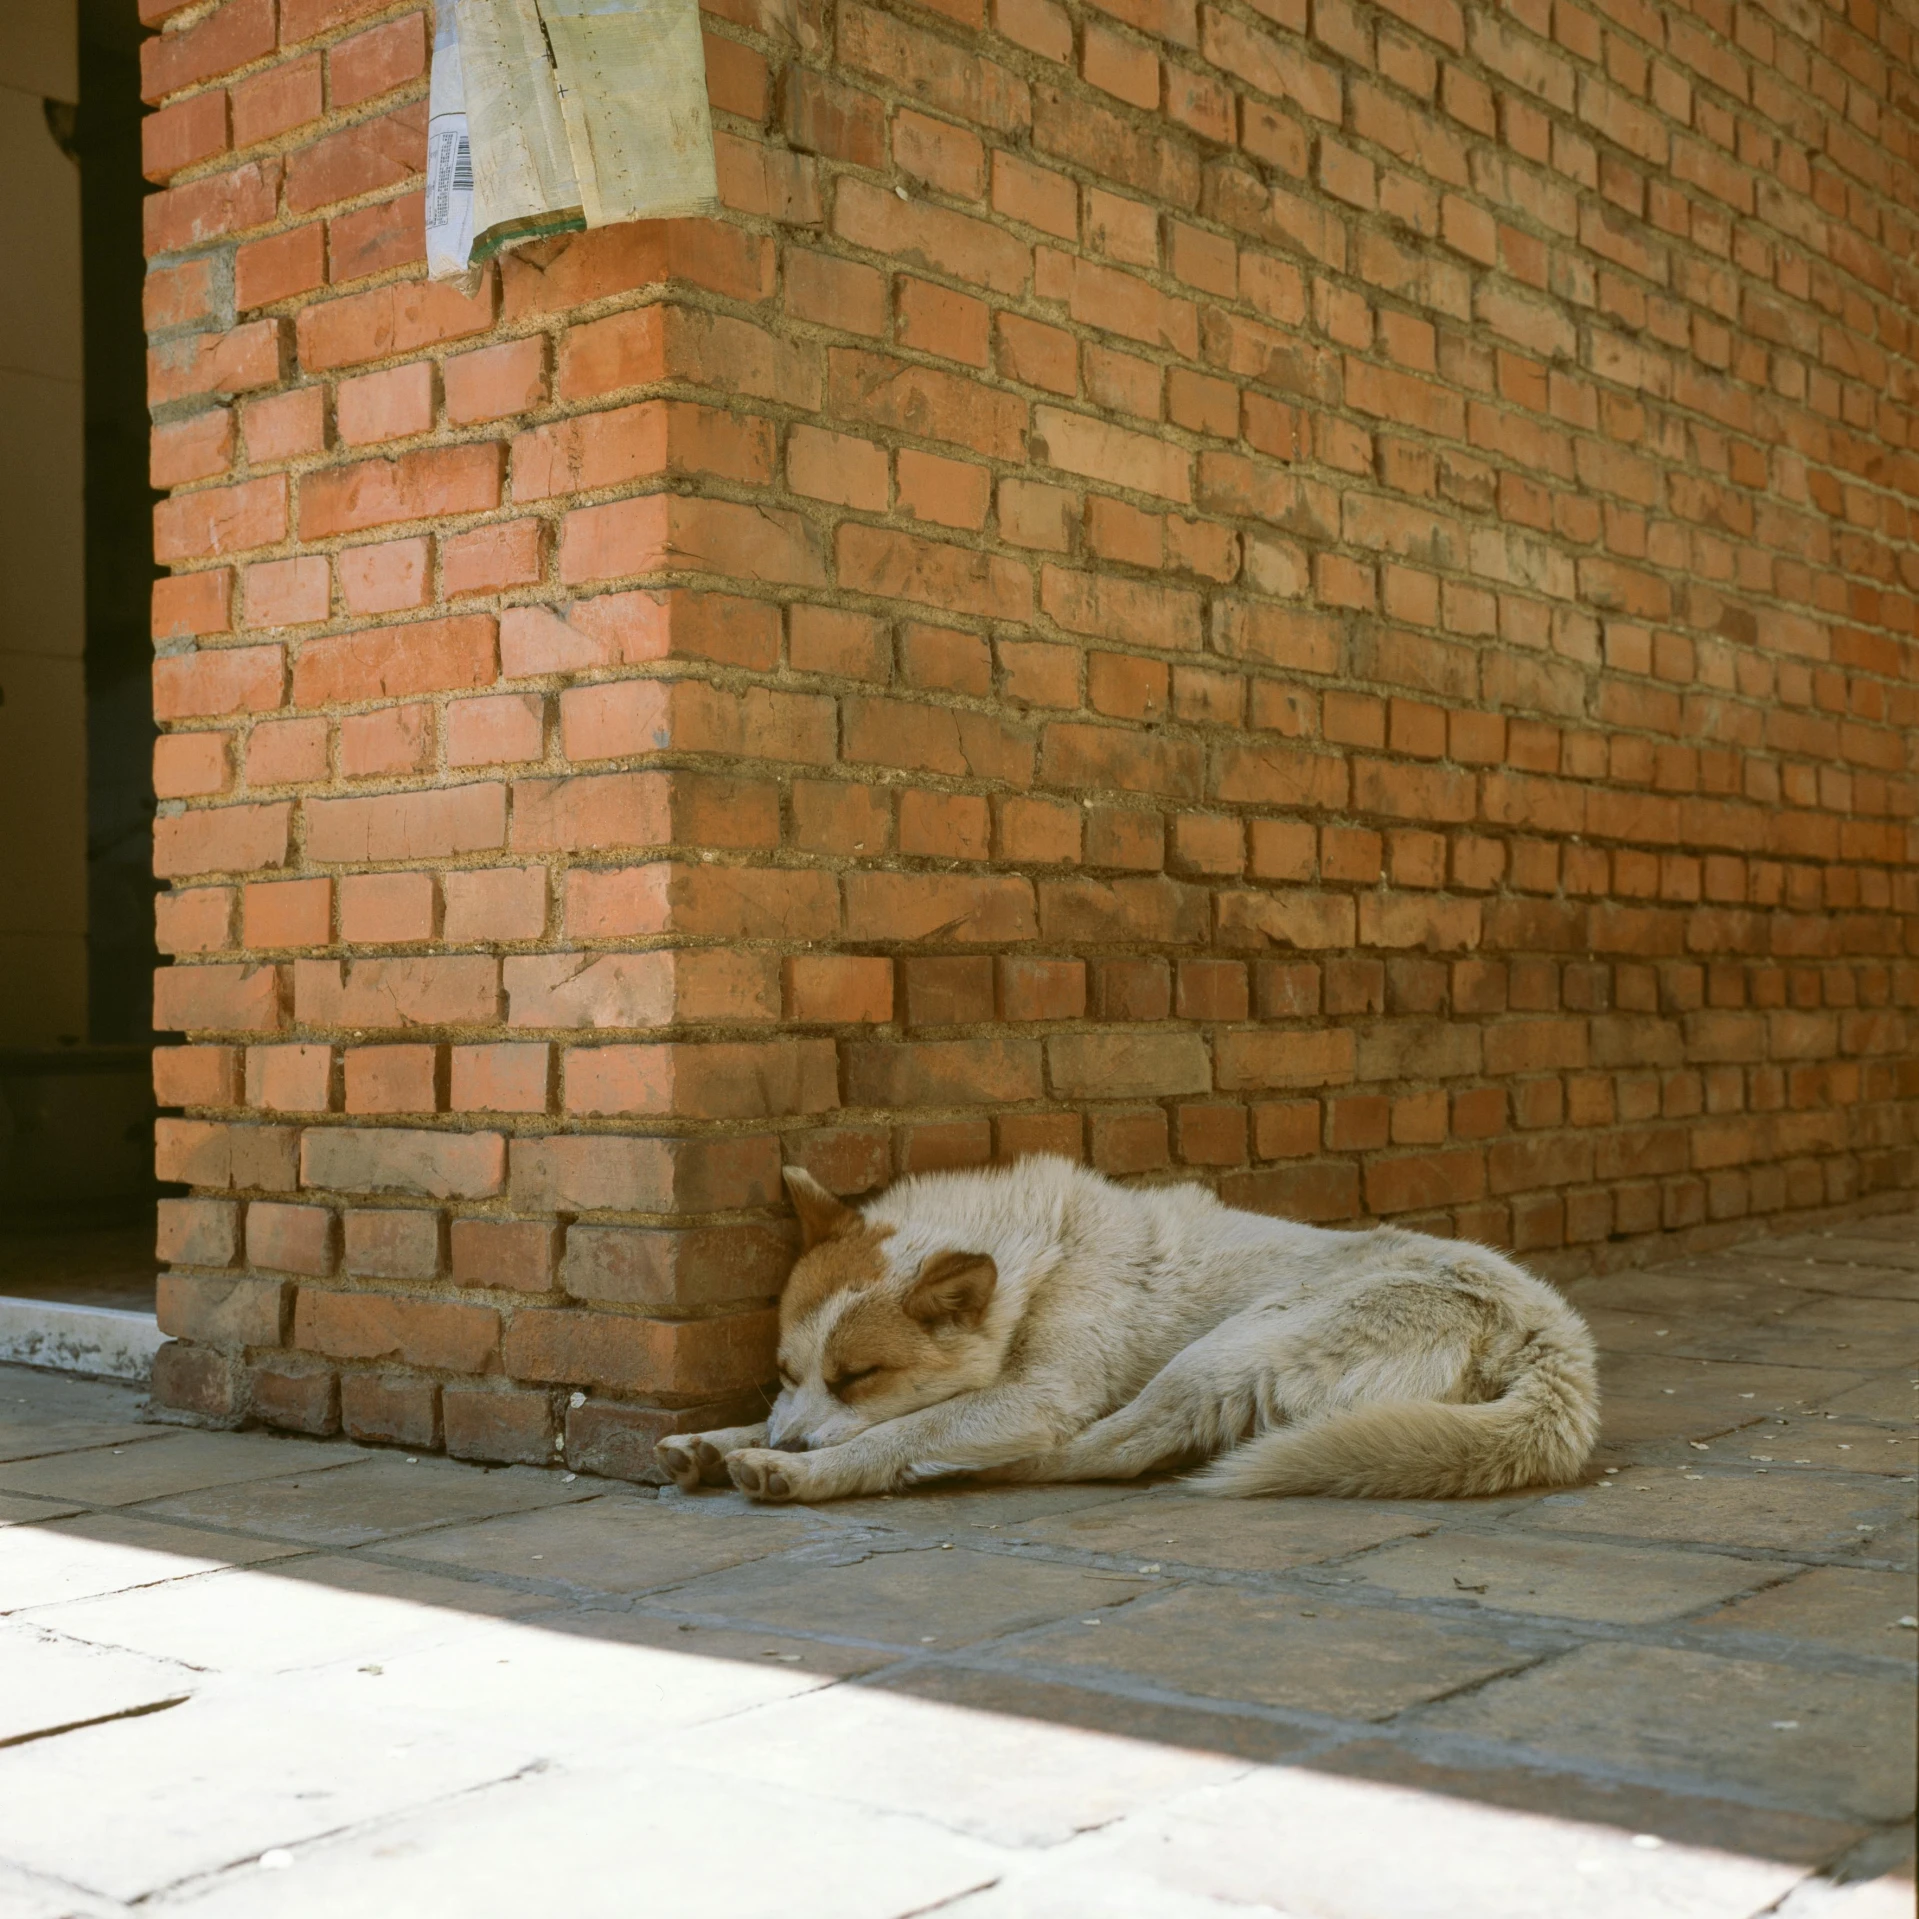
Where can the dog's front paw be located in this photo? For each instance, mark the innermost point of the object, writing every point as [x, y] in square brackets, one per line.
[768, 1476]
[697, 1459]
[693, 1460]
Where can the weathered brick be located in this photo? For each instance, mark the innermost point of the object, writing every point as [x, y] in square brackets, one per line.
[395, 1160]
[392, 1243]
[290, 1239]
[232, 36]
[509, 1427]
[222, 519]
[588, 1172]
[390, 320]
[196, 1380]
[198, 1232]
[709, 1080]
[516, 1254]
[297, 1398]
[676, 1268]
[391, 1409]
[624, 1354]
[418, 1332]
[221, 1310]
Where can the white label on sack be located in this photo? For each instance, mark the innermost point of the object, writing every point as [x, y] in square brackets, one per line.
[449, 157]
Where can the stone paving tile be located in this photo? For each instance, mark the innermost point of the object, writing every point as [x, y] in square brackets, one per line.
[1730, 1339]
[178, 1462]
[1873, 1260]
[1308, 1846]
[1888, 1897]
[911, 1598]
[26, 1895]
[616, 1543]
[1852, 1248]
[1246, 1536]
[1819, 1742]
[1726, 1825]
[1836, 1335]
[1086, 1888]
[1885, 1328]
[1898, 1284]
[1559, 1578]
[1641, 1334]
[129, 1807]
[498, 1854]
[942, 1511]
[371, 1496]
[1664, 1294]
[1830, 1443]
[1854, 1258]
[16, 1509]
[1312, 1654]
[1775, 1512]
[1235, 1734]
[807, 1660]
[1802, 1279]
[1858, 1612]
[1871, 1331]
[315, 1612]
[1893, 1397]
[556, 1687]
[1017, 1781]
[47, 1682]
[1897, 1545]
[81, 1558]
[51, 1412]
[1652, 1397]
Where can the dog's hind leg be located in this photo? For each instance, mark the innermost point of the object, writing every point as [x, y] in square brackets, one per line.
[1205, 1398]
[1278, 1363]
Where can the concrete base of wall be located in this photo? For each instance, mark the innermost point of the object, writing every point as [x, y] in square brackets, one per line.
[78, 1339]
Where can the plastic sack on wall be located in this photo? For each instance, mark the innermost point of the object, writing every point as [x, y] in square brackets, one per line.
[449, 159]
[577, 113]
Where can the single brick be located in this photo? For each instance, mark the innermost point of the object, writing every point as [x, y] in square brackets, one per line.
[392, 1409]
[298, 1399]
[502, 1425]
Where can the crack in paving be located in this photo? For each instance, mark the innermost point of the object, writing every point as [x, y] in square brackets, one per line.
[100, 1718]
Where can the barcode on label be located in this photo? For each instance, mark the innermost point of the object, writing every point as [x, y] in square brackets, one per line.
[463, 168]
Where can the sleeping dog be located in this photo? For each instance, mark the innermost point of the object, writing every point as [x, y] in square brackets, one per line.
[1038, 1322]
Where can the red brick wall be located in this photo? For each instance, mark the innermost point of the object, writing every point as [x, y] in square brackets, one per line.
[1315, 596]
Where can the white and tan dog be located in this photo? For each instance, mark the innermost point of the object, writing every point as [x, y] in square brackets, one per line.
[1038, 1322]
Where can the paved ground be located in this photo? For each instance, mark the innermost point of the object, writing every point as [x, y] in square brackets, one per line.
[253, 1676]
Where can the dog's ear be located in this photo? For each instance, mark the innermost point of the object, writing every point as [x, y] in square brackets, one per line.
[955, 1287]
[821, 1215]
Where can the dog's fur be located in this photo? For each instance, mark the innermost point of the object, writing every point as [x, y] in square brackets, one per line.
[1038, 1322]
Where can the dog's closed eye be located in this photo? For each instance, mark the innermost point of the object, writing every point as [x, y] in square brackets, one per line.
[838, 1384]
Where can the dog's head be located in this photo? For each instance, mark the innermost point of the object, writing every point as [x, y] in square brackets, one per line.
[861, 1339]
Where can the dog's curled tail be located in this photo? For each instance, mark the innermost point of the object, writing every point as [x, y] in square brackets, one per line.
[1540, 1431]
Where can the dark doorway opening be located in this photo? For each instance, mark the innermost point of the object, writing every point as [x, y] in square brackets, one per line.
[119, 529]
[76, 721]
